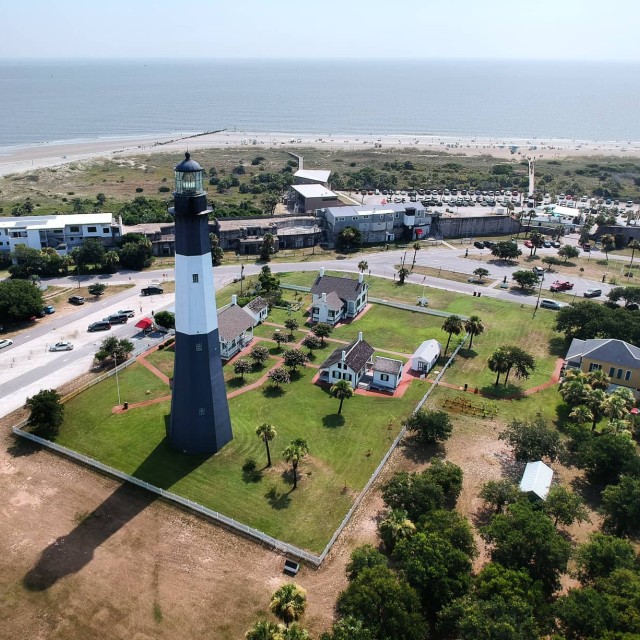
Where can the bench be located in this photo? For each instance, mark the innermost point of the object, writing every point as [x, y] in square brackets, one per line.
[291, 568]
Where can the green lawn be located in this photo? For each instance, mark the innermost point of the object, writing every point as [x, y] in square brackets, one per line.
[344, 450]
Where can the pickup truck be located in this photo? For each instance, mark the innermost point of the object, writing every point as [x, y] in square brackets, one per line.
[561, 286]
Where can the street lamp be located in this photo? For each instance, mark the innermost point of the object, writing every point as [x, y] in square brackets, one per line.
[539, 294]
[115, 361]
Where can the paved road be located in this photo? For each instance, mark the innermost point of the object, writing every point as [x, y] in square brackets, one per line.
[28, 366]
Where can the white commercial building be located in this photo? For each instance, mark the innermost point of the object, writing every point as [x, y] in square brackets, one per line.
[59, 232]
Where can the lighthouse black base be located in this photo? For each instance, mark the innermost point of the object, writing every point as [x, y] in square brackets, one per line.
[200, 421]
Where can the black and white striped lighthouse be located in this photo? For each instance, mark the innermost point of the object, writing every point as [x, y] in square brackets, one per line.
[200, 421]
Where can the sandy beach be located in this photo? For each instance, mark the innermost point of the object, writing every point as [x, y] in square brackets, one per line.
[21, 159]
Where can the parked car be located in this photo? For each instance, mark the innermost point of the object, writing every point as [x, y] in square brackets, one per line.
[478, 245]
[152, 290]
[489, 244]
[528, 244]
[539, 271]
[61, 346]
[49, 309]
[586, 247]
[556, 244]
[101, 325]
[117, 318]
[76, 300]
[634, 306]
[127, 312]
[40, 313]
[545, 303]
[592, 293]
[5, 342]
[559, 285]
[547, 244]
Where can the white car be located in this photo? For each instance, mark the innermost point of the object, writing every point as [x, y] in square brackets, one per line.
[61, 346]
[5, 343]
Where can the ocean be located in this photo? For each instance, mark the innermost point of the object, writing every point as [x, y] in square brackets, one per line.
[86, 100]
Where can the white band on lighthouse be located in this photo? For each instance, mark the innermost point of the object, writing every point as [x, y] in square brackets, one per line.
[195, 314]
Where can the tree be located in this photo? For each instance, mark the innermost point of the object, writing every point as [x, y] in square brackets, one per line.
[448, 476]
[342, 390]
[634, 245]
[526, 279]
[348, 629]
[294, 358]
[348, 238]
[363, 265]
[322, 330]
[601, 555]
[581, 414]
[429, 427]
[91, 251]
[270, 200]
[135, 252]
[266, 432]
[268, 282]
[364, 557]
[621, 506]
[452, 324]
[292, 325]
[500, 494]
[279, 376]
[288, 603]
[532, 440]
[47, 412]
[395, 526]
[217, 254]
[481, 273]
[268, 246]
[608, 243]
[434, 568]
[520, 361]
[259, 354]
[242, 366]
[19, 300]
[97, 289]
[165, 319]
[596, 401]
[474, 327]
[565, 507]
[115, 349]
[452, 526]
[414, 493]
[537, 241]
[499, 362]
[403, 272]
[630, 295]
[264, 630]
[311, 342]
[384, 604]
[506, 251]
[568, 251]
[111, 260]
[416, 248]
[525, 538]
[295, 452]
[279, 337]
[101, 199]
[295, 632]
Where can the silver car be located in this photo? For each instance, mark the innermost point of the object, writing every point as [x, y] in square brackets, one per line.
[61, 346]
[5, 342]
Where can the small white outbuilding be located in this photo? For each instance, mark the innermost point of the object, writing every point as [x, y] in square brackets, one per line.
[536, 479]
[425, 356]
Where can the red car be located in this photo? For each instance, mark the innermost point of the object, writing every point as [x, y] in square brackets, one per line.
[561, 286]
[528, 244]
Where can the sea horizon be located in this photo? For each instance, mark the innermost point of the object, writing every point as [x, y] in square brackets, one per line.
[74, 101]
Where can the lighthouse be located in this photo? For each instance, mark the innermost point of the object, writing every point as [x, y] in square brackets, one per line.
[200, 421]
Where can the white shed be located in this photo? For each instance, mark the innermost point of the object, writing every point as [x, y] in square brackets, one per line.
[537, 479]
[425, 356]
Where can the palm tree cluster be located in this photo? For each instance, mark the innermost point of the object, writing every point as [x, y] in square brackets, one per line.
[586, 393]
[288, 604]
[510, 357]
[293, 454]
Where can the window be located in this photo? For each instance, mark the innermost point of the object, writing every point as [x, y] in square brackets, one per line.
[335, 374]
[627, 376]
[106, 230]
[195, 278]
[595, 367]
[347, 377]
[74, 229]
[201, 411]
[315, 310]
[198, 346]
[91, 229]
[612, 372]
[397, 215]
[340, 219]
[384, 377]
[619, 375]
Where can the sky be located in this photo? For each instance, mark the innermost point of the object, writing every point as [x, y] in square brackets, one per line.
[302, 29]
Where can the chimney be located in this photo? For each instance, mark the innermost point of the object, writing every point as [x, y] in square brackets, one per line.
[234, 300]
[324, 297]
[361, 277]
[344, 356]
[321, 272]
[359, 336]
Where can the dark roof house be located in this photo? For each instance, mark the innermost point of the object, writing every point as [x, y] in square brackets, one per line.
[257, 304]
[232, 322]
[356, 355]
[345, 288]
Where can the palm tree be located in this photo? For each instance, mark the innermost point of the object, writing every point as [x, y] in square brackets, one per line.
[288, 603]
[416, 248]
[297, 450]
[581, 415]
[363, 265]
[341, 390]
[499, 362]
[267, 432]
[394, 527]
[403, 272]
[474, 327]
[453, 324]
[634, 244]
[574, 392]
[596, 401]
[619, 427]
[264, 630]
[608, 242]
[111, 260]
[618, 403]
[598, 379]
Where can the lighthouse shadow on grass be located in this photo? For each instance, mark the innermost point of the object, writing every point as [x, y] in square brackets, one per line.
[70, 553]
